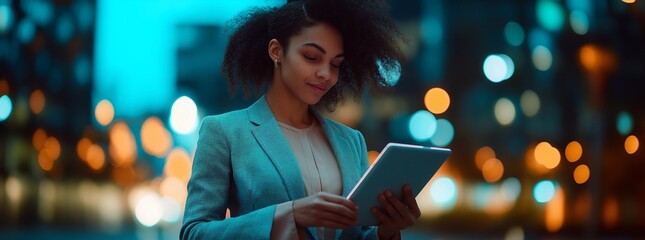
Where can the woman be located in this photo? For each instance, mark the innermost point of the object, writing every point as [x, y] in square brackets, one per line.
[279, 166]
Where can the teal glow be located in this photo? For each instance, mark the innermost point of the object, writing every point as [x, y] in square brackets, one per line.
[550, 15]
[581, 5]
[514, 33]
[391, 74]
[444, 134]
[5, 107]
[539, 37]
[482, 195]
[422, 125]
[6, 18]
[136, 47]
[82, 70]
[431, 30]
[624, 123]
[26, 31]
[579, 22]
[498, 67]
[544, 191]
[41, 11]
[84, 12]
[64, 28]
[511, 189]
[444, 192]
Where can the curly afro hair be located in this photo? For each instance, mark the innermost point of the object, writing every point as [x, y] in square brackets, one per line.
[369, 38]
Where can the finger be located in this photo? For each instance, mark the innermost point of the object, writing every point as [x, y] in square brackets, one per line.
[413, 207]
[330, 219]
[406, 217]
[389, 209]
[382, 218]
[340, 200]
[339, 210]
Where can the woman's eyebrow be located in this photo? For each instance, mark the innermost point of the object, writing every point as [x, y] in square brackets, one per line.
[316, 46]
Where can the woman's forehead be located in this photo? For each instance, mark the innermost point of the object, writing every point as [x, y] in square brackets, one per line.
[322, 35]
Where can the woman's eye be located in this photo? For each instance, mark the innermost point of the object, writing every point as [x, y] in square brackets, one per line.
[310, 58]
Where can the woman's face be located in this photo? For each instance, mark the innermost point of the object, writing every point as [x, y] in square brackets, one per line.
[310, 66]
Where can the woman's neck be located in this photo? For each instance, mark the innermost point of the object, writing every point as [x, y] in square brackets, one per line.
[287, 108]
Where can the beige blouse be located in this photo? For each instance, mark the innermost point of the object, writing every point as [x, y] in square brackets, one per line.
[320, 173]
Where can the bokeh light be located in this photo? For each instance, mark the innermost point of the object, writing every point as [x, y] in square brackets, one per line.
[550, 14]
[579, 22]
[174, 188]
[530, 103]
[52, 148]
[544, 191]
[149, 210]
[123, 148]
[581, 174]
[631, 144]
[504, 111]
[183, 115]
[444, 134]
[493, 170]
[498, 67]
[422, 125]
[5, 107]
[514, 33]
[437, 100]
[371, 156]
[82, 147]
[104, 112]
[39, 138]
[37, 101]
[6, 18]
[624, 123]
[573, 152]
[629, 1]
[483, 154]
[443, 192]
[95, 157]
[511, 189]
[4, 87]
[155, 138]
[178, 165]
[542, 58]
[554, 218]
[547, 155]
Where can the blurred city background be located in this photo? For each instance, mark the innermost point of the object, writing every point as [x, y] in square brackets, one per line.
[100, 102]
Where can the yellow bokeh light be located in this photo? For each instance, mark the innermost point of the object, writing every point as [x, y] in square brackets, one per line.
[4, 87]
[547, 155]
[95, 157]
[629, 1]
[483, 154]
[155, 138]
[492, 170]
[82, 147]
[104, 112]
[573, 152]
[371, 156]
[37, 101]
[40, 136]
[532, 163]
[554, 218]
[45, 161]
[178, 165]
[581, 174]
[123, 148]
[437, 100]
[52, 147]
[174, 188]
[631, 144]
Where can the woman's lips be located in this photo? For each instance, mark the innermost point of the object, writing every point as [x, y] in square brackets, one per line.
[318, 88]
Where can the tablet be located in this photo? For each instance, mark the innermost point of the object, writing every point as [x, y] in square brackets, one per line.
[396, 165]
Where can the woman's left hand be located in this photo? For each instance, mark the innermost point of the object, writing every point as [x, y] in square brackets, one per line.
[396, 214]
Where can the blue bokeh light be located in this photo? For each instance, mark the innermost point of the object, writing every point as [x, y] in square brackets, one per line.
[550, 15]
[5, 107]
[422, 125]
[514, 33]
[444, 192]
[444, 134]
[624, 123]
[498, 67]
[544, 191]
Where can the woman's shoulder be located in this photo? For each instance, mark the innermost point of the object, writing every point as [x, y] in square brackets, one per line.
[224, 120]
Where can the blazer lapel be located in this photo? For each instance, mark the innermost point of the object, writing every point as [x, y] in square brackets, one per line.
[276, 147]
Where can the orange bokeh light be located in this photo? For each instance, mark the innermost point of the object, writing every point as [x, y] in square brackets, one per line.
[178, 164]
[573, 152]
[155, 138]
[492, 170]
[483, 154]
[37, 101]
[437, 100]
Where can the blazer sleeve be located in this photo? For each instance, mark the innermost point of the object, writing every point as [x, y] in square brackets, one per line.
[209, 190]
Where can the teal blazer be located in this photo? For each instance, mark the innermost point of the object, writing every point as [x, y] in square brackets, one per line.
[244, 163]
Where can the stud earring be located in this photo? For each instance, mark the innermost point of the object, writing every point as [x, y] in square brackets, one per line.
[275, 64]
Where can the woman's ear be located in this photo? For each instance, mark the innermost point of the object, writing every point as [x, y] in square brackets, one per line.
[275, 50]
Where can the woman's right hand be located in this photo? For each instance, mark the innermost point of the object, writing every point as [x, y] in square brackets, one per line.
[325, 210]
